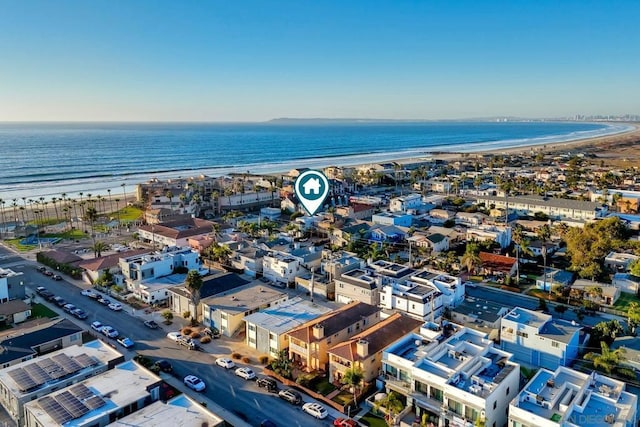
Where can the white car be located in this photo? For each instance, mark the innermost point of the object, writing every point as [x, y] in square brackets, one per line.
[174, 336]
[246, 373]
[110, 331]
[88, 293]
[225, 363]
[315, 410]
[194, 383]
[97, 326]
[115, 306]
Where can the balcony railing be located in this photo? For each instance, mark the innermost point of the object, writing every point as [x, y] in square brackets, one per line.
[402, 386]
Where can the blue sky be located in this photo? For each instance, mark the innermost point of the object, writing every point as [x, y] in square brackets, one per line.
[199, 60]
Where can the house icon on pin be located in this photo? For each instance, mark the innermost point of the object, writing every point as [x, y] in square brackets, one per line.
[312, 186]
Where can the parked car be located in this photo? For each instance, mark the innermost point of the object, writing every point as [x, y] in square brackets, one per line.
[290, 396]
[115, 306]
[56, 277]
[59, 301]
[174, 336]
[125, 342]
[187, 342]
[79, 313]
[269, 383]
[42, 269]
[104, 301]
[40, 290]
[47, 295]
[246, 373]
[164, 366]
[315, 410]
[89, 293]
[97, 326]
[194, 383]
[225, 363]
[345, 422]
[47, 273]
[69, 308]
[213, 332]
[151, 324]
[109, 331]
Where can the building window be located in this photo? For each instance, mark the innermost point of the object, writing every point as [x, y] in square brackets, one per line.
[522, 334]
[507, 393]
[495, 405]
[555, 344]
[252, 328]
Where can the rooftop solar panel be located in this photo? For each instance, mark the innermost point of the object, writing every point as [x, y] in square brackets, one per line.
[81, 391]
[85, 360]
[55, 410]
[73, 406]
[94, 402]
[22, 379]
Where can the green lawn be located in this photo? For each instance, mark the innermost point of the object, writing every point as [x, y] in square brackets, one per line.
[129, 214]
[15, 243]
[372, 420]
[74, 234]
[40, 310]
[625, 299]
[344, 398]
[323, 386]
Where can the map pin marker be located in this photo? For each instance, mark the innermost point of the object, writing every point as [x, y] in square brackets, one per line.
[312, 187]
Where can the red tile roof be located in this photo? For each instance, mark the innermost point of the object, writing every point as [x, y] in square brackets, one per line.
[496, 262]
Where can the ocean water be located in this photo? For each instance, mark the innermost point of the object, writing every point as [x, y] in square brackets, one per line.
[47, 159]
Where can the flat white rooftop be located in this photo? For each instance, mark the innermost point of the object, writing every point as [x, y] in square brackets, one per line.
[181, 411]
[286, 316]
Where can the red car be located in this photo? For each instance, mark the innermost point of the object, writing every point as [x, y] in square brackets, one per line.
[345, 422]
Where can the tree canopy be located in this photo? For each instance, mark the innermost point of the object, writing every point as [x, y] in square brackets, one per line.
[588, 246]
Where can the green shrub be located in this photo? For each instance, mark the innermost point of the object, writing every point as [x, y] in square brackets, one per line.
[205, 339]
[186, 314]
[246, 359]
[236, 355]
[263, 360]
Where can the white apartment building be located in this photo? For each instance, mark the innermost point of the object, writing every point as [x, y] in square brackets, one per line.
[569, 398]
[538, 339]
[499, 234]
[451, 287]
[404, 203]
[97, 401]
[422, 302]
[281, 267]
[555, 208]
[35, 378]
[266, 330]
[357, 285]
[452, 375]
[146, 275]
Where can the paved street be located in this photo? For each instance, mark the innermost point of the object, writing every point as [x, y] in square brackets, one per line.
[243, 400]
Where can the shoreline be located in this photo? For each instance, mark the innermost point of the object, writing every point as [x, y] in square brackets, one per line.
[631, 132]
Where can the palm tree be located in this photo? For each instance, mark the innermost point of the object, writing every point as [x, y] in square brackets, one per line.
[393, 406]
[98, 248]
[193, 283]
[608, 359]
[353, 377]
[544, 233]
[2, 216]
[110, 200]
[471, 257]
[91, 215]
[517, 236]
[633, 316]
[169, 195]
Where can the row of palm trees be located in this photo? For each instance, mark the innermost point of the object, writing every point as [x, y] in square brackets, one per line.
[65, 208]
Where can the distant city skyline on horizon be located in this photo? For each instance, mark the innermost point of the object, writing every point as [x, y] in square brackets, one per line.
[160, 61]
